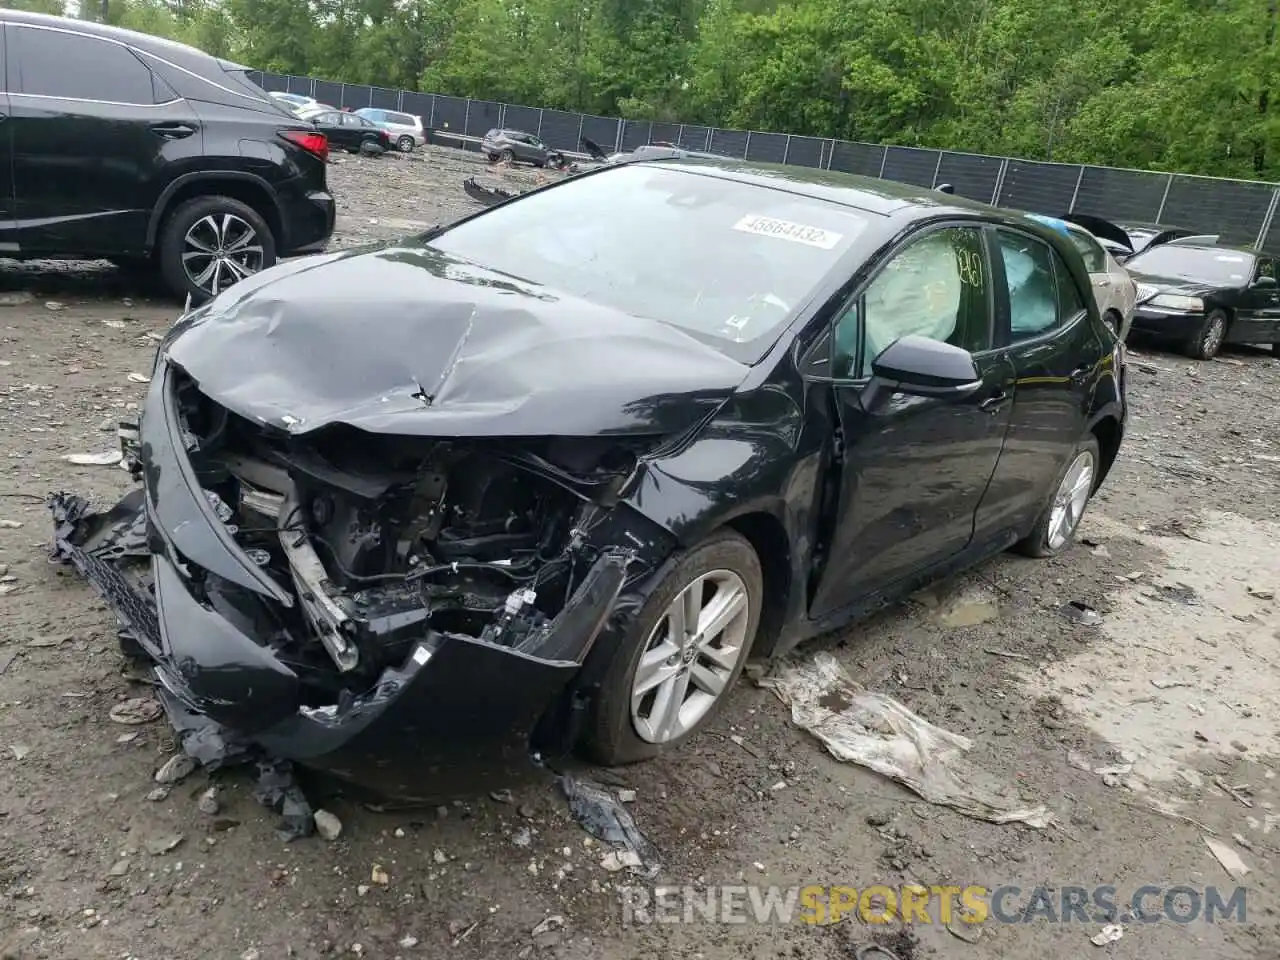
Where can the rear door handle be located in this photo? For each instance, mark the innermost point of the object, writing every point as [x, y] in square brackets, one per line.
[173, 131]
[994, 402]
[1080, 374]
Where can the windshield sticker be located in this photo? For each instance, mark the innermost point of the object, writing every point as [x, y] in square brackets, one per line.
[1225, 259]
[786, 230]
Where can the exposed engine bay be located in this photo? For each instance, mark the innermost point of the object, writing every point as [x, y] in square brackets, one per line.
[385, 540]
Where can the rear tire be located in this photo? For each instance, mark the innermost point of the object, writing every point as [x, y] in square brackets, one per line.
[722, 567]
[405, 144]
[507, 156]
[1205, 343]
[201, 222]
[1057, 525]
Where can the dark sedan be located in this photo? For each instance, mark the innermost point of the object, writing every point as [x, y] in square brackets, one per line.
[1200, 296]
[350, 131]
[584, 467]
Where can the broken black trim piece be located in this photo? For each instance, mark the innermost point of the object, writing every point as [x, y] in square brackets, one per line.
[489, 196]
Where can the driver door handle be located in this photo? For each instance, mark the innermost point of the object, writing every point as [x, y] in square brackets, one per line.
[173, 131]
[994, 402]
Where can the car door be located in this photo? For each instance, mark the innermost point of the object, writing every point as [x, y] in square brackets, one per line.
[330, 124]
[8, 223]
[1056, 353]
[94, 134]
[356, 129]
[1264, 305]
[914, 469]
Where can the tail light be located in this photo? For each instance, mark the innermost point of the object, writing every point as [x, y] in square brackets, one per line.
[310, 141]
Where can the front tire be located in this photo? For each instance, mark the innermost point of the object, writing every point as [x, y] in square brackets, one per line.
[1057, 525]
[682, 653]
[209, 243]
[1207, 341]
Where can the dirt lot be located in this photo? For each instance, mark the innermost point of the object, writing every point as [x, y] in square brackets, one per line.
[1176, 694]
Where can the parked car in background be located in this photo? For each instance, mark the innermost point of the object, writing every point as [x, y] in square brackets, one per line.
[1113, 288]
[1202, 295]
[512, 146]
[122, 146]
[602, 468]
[349, 131]
[292, 101]
[1124, 240]
[405, 129]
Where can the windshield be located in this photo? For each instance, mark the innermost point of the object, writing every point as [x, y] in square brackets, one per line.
[726, 261]
[1211, 265]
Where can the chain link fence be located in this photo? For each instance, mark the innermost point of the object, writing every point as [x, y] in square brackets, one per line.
[1241, 211]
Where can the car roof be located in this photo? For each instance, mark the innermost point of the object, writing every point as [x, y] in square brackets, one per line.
[143, 41]
[869, 194]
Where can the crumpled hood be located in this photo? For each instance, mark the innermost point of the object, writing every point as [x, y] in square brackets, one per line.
[407, 340]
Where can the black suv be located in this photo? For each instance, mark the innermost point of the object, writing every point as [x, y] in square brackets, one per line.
[127, 147]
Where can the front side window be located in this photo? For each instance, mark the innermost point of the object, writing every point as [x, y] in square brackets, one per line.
[936, 287]
[1033, 292]
[50, 63]
[729, 262]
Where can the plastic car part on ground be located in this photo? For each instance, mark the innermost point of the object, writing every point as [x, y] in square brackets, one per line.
[875, 731]
[608, 821]
[489, 196]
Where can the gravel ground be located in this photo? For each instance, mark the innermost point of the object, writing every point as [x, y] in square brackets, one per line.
[1176, 692]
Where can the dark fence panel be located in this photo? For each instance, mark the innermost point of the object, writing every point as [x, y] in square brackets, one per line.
[451, 113]
[385, 99]
[274, 83]
[766, 147]
[693, 137]
[1120, 195]
[302, 85]
[1271, 242]
[805, 151]
[560, 130]
[603, 130]
[864, 159]
[664, 133]
[418, 104]
[973, 176]
[911, 165]
[636, 133]
[326, 91]
[356, 95]
[729, 143]
[1039, 187]
[482, 117]
[1234, 208]
[527, 119]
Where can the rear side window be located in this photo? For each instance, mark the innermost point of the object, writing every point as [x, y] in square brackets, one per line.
[50, 63]
[1033, 293]
[1095, 259]
[401, 118]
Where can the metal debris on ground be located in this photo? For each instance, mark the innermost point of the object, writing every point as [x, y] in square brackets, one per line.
[1230, 860]
[277, 790]
[607, 820]
[135, 711]
[108, 459]
[1108, 934]
[875, 731]
[1078, 612]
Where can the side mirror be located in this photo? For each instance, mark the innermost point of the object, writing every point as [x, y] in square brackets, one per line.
[945, 188]
[1264, 283]
[922, 367]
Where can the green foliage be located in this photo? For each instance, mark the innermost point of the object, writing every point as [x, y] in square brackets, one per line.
[1187, 85]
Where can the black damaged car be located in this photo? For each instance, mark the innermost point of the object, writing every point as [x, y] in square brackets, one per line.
[1200, 296]
[546, 478]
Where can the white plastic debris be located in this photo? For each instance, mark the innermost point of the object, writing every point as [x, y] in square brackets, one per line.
[1108, 934]
[1229, 859]
[138, 378]
[875, 731]
[108, 459]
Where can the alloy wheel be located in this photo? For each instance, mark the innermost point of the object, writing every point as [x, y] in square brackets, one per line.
[405, 144]
[219, 250]
[690, 656]
[1070, 500]
[1215, 330]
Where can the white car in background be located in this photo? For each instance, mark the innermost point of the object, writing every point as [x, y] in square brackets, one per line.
[293, 102]
[405, 129]
[1113, 288]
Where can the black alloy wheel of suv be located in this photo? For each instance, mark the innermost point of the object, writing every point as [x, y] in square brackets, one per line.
[121, 146]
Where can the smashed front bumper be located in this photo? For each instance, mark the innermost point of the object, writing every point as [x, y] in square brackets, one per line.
[455, 717]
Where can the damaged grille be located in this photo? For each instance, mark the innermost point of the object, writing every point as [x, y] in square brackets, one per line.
[388, 540]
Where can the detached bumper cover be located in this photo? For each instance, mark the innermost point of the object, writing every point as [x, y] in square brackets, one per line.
[455, 718]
